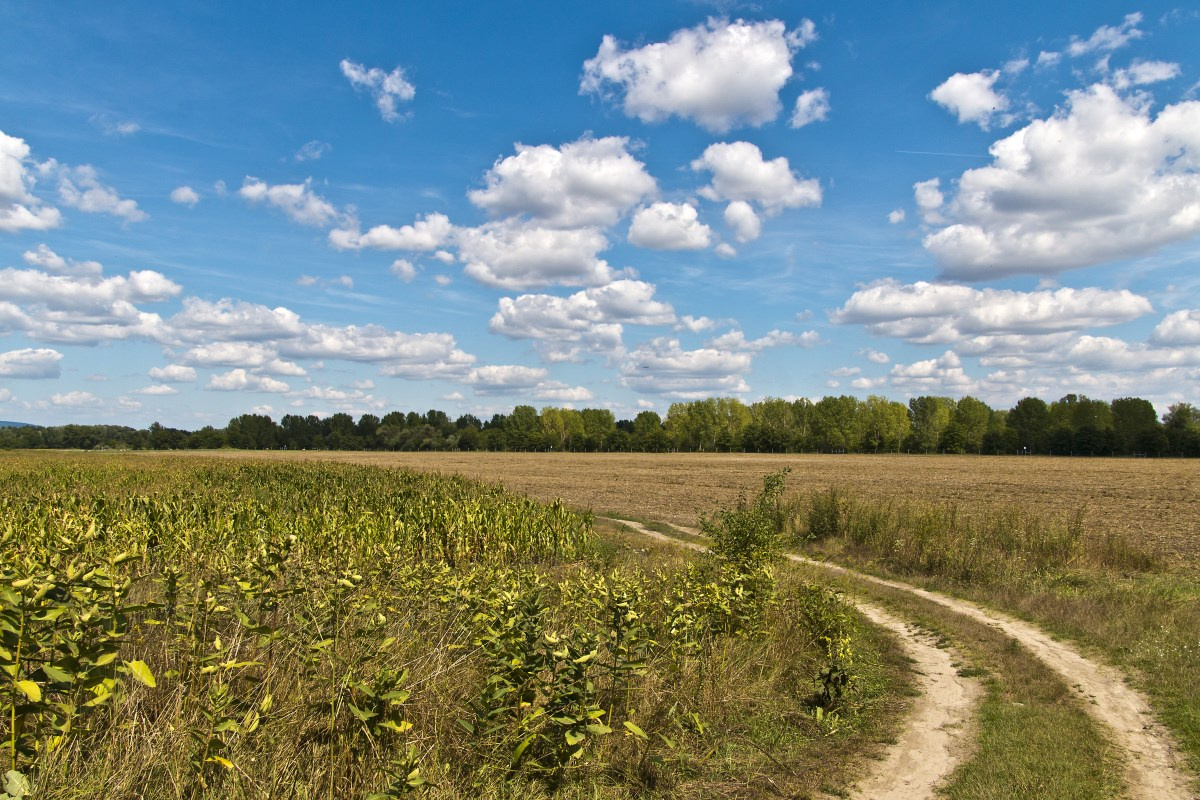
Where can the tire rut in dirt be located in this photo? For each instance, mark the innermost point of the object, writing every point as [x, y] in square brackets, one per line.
[936, 735]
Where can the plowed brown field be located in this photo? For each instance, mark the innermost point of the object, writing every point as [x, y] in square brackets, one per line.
[1156, 502]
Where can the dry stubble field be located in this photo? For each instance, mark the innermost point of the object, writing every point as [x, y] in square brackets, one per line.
[1156, 502]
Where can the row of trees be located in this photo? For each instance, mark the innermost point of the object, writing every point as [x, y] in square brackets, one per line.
[1073, 425]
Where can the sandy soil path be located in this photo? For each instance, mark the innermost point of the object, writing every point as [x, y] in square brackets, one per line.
[1154, 770]
[936, 735]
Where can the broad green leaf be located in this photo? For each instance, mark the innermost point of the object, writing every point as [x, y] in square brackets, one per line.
[362, 714]
[57, 675]
[574, 738]
[520, 751]
[635, 730]
[31, 690]
[139, 670]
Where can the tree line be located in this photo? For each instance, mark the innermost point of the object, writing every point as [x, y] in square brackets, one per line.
[1073, 425]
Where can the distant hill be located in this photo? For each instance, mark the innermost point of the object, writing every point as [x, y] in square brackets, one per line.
[7, 424]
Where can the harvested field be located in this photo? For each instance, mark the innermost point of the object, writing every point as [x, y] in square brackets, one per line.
[1156, 502]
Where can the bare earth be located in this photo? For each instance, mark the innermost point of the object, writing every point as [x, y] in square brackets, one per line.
[1153, 769]
[932, 744]
[936, 735]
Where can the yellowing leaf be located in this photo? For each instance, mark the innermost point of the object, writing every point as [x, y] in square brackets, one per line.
[224, 762]
[401, 727]
[139, 670]
[31, 690]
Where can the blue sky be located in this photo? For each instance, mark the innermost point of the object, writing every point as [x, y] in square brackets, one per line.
[220, 208]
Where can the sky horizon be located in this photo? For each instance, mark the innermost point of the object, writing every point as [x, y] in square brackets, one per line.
[208, 210]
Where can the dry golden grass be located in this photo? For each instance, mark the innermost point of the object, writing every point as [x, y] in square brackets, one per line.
[1155, 502]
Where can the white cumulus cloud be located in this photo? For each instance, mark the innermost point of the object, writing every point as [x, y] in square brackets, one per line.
[425, 234]
[972, 97]
[173, 373]
[942, 375]
[590, 182]
[564, 328]
[1097, 181]
[185, 196]
[1107, 38]
[505, 378]
[240, 380]
[157, 390]
[669, 226]
[695, 324]
[928, 312]
[736, 340]
[719, 74]
[661, 366]
[739, 172]
[232, 320]
[1141, 73]
[76, 400]
[1178, 328]
[404, 270]
[558, 392]
[296, 200]
[30, 362]
[54, 264]
[514, 255]
[80, 187]
[19, 209]
[743, 221]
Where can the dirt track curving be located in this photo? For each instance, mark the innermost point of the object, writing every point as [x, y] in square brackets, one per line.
[936, 735]
[1153, 767]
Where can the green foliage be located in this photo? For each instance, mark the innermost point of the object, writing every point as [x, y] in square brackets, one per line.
[376, 631]
[1004, 547]
[747, 536]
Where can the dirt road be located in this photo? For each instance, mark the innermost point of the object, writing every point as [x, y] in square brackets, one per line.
[937, 733]
[1153, 768]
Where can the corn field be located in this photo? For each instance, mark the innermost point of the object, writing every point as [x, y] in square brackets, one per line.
[204, 629]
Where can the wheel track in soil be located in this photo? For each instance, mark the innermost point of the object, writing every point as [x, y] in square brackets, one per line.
[934, 739]
[1153, 768]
